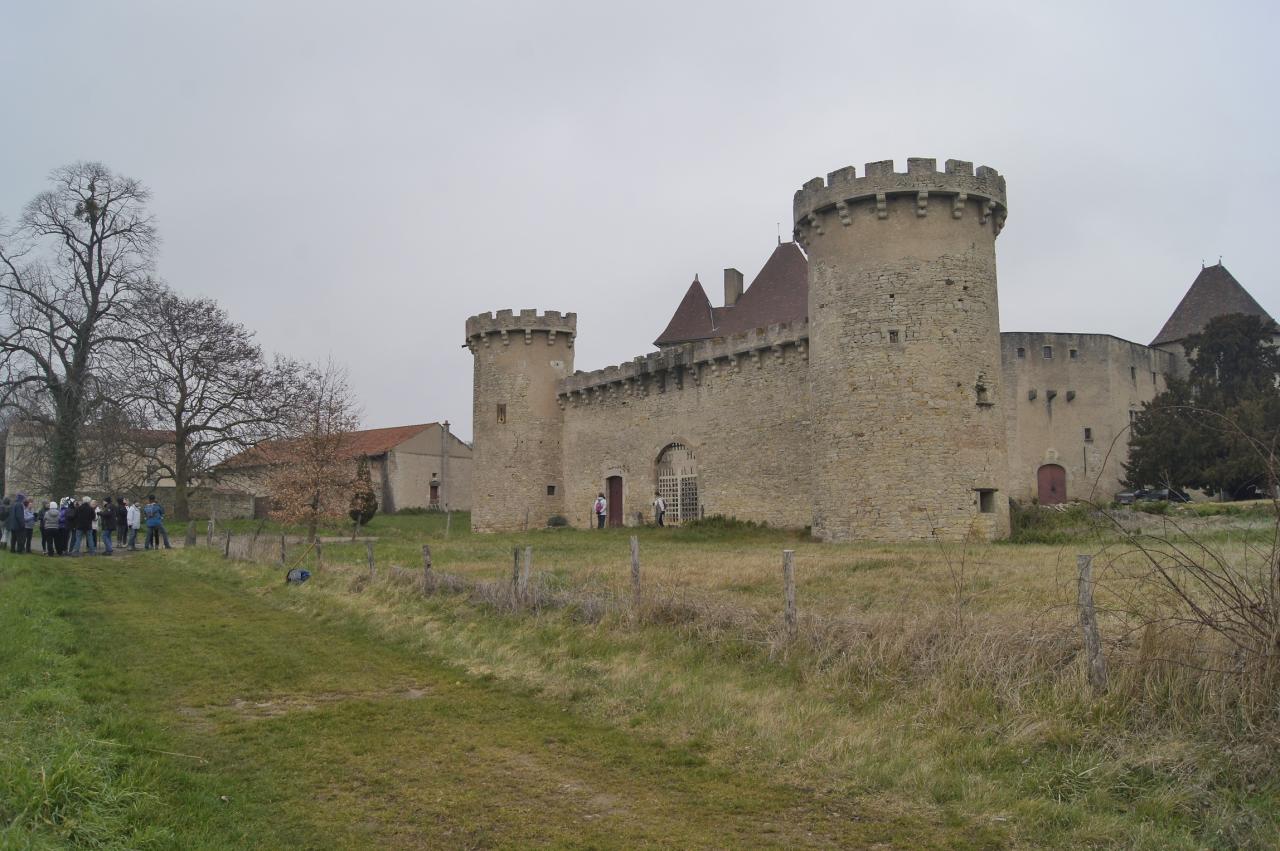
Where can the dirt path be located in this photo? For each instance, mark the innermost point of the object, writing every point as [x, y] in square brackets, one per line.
[317, 735]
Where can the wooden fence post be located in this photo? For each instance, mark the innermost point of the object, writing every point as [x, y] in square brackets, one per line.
[208, 535]
[226, 547]
[515, 576]
[789, 590]
[428, 578]
[635, 572]
[448, 520]
[319, 555]
[283, 559]
[368, 551]
[1097, 666]
[522, 589]
[190, 542]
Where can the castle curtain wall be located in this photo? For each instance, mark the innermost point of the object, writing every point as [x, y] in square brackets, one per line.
[746, 419]
[1050, 401]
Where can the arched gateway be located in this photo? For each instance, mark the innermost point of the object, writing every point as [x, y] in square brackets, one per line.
[677, 476]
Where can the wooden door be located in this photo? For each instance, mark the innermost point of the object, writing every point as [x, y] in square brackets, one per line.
[1051, 481]
[613, 492]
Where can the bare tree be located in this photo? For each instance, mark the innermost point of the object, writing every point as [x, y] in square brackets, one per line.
[313, 472]
[202, 376]
[70, 272]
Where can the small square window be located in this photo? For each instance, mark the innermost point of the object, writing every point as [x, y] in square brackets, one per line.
[1088, 435]
[987, 501]
[1047, 351]
[893, 337]
[502, 413]
[1022, 351]
[1073, 354]
[551, 490]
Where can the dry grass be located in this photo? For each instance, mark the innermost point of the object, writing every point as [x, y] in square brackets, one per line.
[945, 677]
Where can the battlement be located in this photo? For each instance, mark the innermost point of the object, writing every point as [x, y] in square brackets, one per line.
[958, 182]
[751, 345]
[507, 322]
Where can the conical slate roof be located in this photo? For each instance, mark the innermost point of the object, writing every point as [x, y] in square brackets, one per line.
[1214, 292]
[692, 319]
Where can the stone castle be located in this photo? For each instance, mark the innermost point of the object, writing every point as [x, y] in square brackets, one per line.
[861, 385]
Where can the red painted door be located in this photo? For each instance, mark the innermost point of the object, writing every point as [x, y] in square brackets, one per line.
[1051, 481]
[613, 492]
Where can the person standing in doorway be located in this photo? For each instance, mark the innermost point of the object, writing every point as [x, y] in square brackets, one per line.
[601, 509]
[659, 508]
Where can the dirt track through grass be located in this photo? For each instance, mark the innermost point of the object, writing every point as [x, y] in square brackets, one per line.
[319, 735]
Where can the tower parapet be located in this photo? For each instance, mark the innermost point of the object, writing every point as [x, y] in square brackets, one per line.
[947, 192]
[526, 322]
[517, 462]
[904, 365]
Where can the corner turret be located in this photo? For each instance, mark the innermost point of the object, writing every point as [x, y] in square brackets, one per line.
[517, 465]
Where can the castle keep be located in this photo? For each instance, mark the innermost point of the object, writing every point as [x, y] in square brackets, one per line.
[860, 385]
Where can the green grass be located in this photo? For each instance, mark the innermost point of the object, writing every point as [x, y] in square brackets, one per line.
[306, 730]
[350, 713]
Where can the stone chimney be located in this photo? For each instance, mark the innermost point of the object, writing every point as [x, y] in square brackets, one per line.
[732, 287]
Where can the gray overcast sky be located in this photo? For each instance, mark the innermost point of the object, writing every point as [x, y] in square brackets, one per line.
[356, 179]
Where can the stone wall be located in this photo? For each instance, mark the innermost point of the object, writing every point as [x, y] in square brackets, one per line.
[518, 425]
[413, 465]
[1082, 381]
[741, 405]
[909, 434]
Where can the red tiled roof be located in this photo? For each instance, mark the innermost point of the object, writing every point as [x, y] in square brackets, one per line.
[780, 293]
[1215, 292]
[692, 319]
[374, 441]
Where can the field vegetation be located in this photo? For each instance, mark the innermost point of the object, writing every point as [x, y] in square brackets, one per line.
[933, 695]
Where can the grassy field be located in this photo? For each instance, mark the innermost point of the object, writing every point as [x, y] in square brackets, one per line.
[933, 697]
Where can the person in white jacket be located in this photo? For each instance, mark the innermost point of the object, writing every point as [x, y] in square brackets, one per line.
[133, 519]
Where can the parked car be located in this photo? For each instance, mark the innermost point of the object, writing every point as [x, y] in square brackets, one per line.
[1151, 495]
[1166, 495]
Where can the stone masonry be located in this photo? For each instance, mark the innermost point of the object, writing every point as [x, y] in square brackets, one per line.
[517, 463]
[864, 390]
[908, 428]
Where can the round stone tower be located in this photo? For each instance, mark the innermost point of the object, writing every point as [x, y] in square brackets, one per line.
[517, 467]
[904, 365]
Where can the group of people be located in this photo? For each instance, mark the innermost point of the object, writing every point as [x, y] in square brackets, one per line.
[601, 509]
[68, 528]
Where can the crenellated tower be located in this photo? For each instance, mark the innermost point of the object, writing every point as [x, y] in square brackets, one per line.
[904, 368]
[517, 465]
